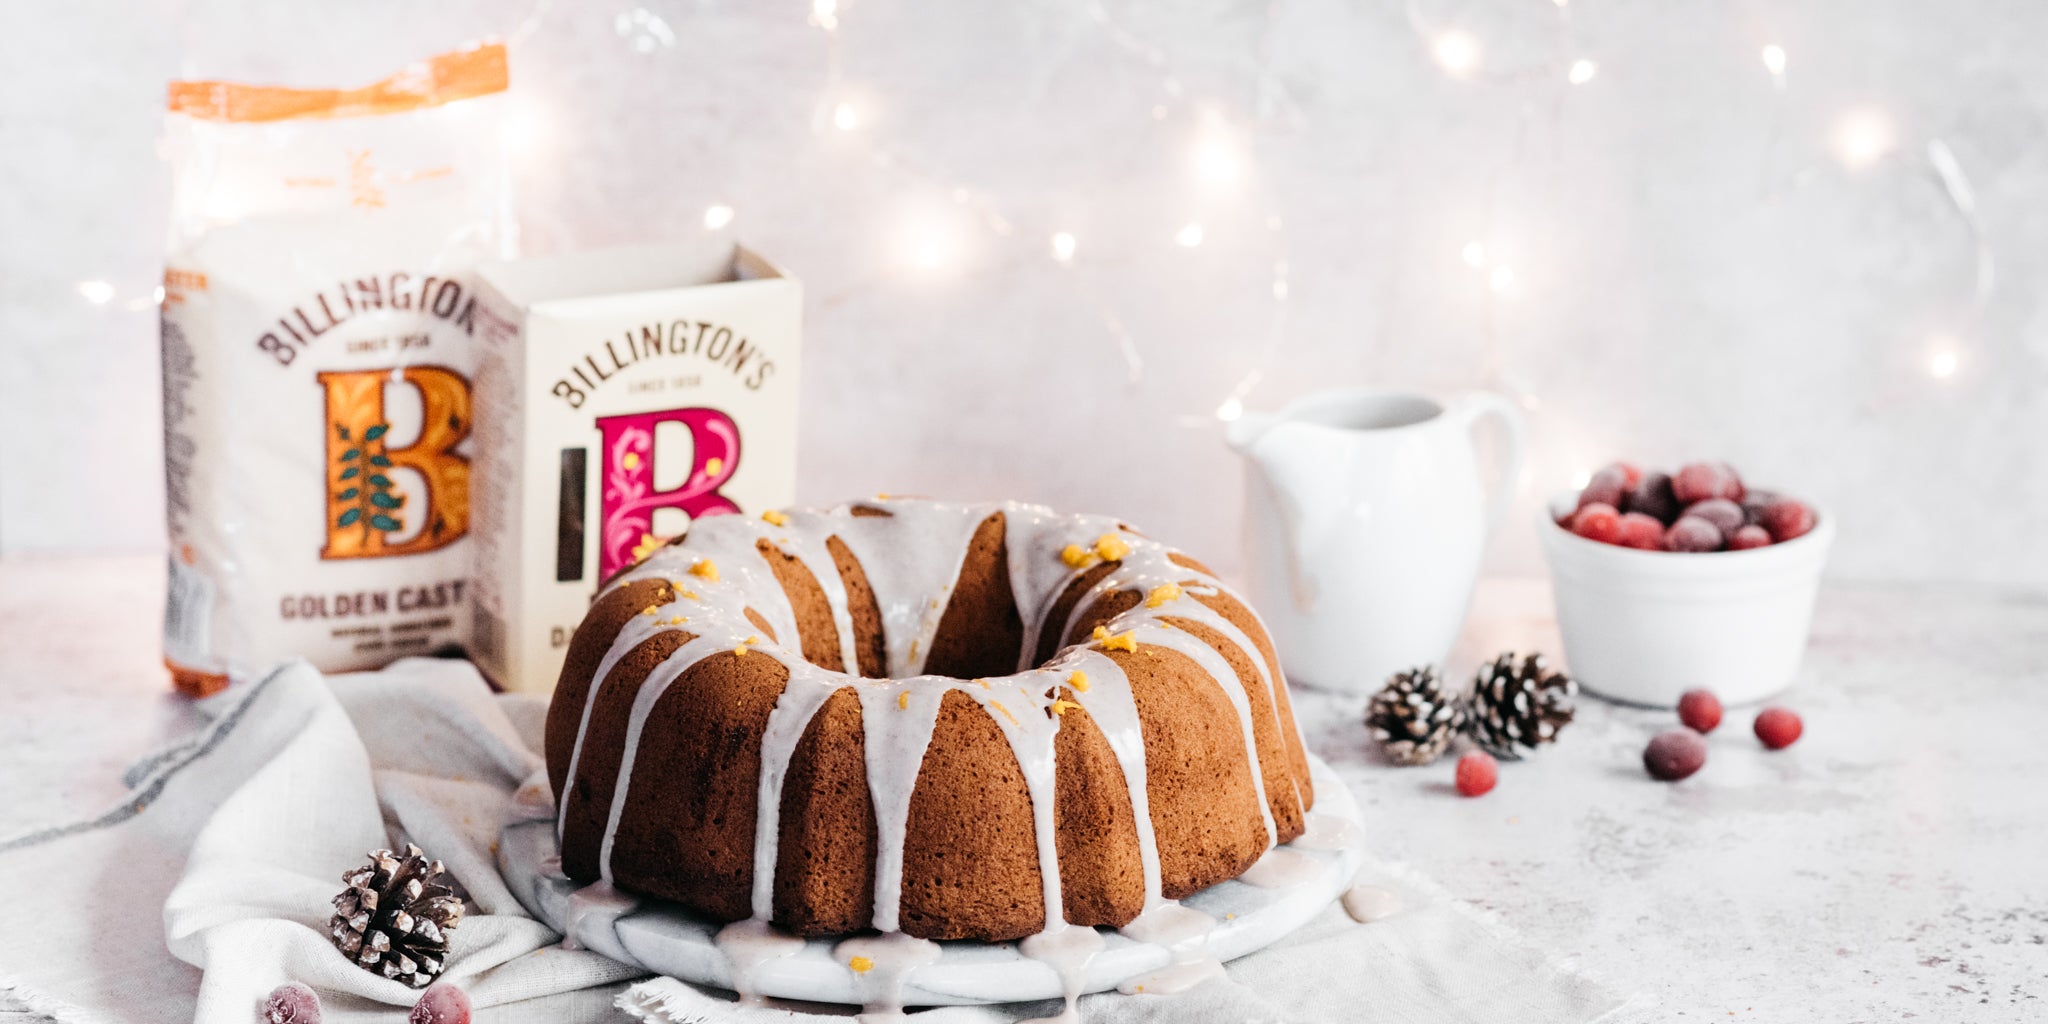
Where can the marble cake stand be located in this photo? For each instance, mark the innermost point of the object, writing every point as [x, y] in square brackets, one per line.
[666, 940]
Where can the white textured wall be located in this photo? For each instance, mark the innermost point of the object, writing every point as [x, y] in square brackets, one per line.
[1695, 272]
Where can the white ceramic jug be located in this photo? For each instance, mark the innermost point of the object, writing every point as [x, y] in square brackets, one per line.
[1365, 520]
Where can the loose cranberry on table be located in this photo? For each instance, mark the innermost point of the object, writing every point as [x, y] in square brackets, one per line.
[1700, 710]
[1477, 772]
[1778, 728]
[1674, 755]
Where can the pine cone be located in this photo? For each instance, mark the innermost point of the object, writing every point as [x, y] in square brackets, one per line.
[395, 915]
[1518, 705]
[1413, 718]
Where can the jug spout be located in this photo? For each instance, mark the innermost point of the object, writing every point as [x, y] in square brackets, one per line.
[1241, 433]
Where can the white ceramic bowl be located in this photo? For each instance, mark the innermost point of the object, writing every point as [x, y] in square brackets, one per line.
[1645, 626]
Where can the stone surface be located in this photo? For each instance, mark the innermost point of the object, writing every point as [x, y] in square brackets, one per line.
[1885, 867]
[1694, 274]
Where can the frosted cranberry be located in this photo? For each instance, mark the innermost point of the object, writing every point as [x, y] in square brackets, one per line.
[1699, 481]
[441, 1003]
[1700, 710]
[1753, 504]
[1640, 531]
[1692, 534]
[1652, 497]
[1597, 522]
[1631, 474]
[1605, 488]
[1749, 537]
[1477, 772]
[1787, 518]
[1724, 514]
[1778, 728]
[291, 1003]
[1674, 755]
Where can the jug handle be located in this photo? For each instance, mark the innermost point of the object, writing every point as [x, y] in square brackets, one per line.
[1476, 405]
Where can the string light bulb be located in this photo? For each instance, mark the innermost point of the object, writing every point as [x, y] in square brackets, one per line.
[1215, 164]
[825, 14]
[1190, 235]
[1456, 52]
[1943, 363]
[717, 216]
[99, 293]
[1582, 72]
[1063, 245]
[1474, 254]
[1774, 59]
[1862, 136]
[845, 118]
[1501, 279]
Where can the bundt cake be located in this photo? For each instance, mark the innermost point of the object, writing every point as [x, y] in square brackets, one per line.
[953, 721]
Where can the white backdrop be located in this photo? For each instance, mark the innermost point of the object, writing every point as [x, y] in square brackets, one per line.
[1680, 251]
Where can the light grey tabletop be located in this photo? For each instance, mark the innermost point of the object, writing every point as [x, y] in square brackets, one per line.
[1889, 866]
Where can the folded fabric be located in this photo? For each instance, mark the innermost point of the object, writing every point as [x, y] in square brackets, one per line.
[239, 835]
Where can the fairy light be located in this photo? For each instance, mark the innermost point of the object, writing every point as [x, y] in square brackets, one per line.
[1190, 235]
[1862, 136]
[717, 216]
[1501, 279]
[825, 14]
[845, 118]
[1456, 52]
[99, 293]
[1774, 60]
[1063, 245]
[1943, 363]
[1582, 72]
[1474, 254]
[1230, 409]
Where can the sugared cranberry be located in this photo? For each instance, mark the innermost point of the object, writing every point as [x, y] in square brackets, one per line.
[1700, 710]
[291, 1003]
[1749, 537]
[1753, 504]
[1699, 481]
[1787, 518]
[1692, 534]
[1724, 514]
[1778, 727]
[1605, 488]
[1741, 489]
[1597, 522]
[1675, 754]
[441, 1003]
[1652, 497]
[1640, 531]
[1631, 474]
[1477, 772]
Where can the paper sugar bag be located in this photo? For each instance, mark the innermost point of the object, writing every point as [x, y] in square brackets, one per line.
[318, 331]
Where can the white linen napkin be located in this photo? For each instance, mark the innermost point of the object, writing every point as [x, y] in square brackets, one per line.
[239, 835]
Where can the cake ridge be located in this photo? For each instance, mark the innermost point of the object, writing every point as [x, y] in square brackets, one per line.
[912, 558]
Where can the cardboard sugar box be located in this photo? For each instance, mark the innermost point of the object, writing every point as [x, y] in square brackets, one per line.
[620, 394]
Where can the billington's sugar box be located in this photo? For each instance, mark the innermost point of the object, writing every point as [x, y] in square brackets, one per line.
[620, 394]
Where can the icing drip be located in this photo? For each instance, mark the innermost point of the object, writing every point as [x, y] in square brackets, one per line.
[1282, 868]
[898, 731]
[799, 702]
[747, 945]
[593, 907]
[1184, 932]
[1067, 949]
[1369, 903]
[879, 964]
[1325, 832]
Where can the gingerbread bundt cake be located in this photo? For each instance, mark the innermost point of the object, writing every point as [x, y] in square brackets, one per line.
[953, 721]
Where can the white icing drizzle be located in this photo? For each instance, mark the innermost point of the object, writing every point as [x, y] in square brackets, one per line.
[1369, 903]
[889, 958]
[1325, 832]
[1067, 949]
[1282, 868]
[747, 945]
[1184, 932]
[912, 559]
[592, 906]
